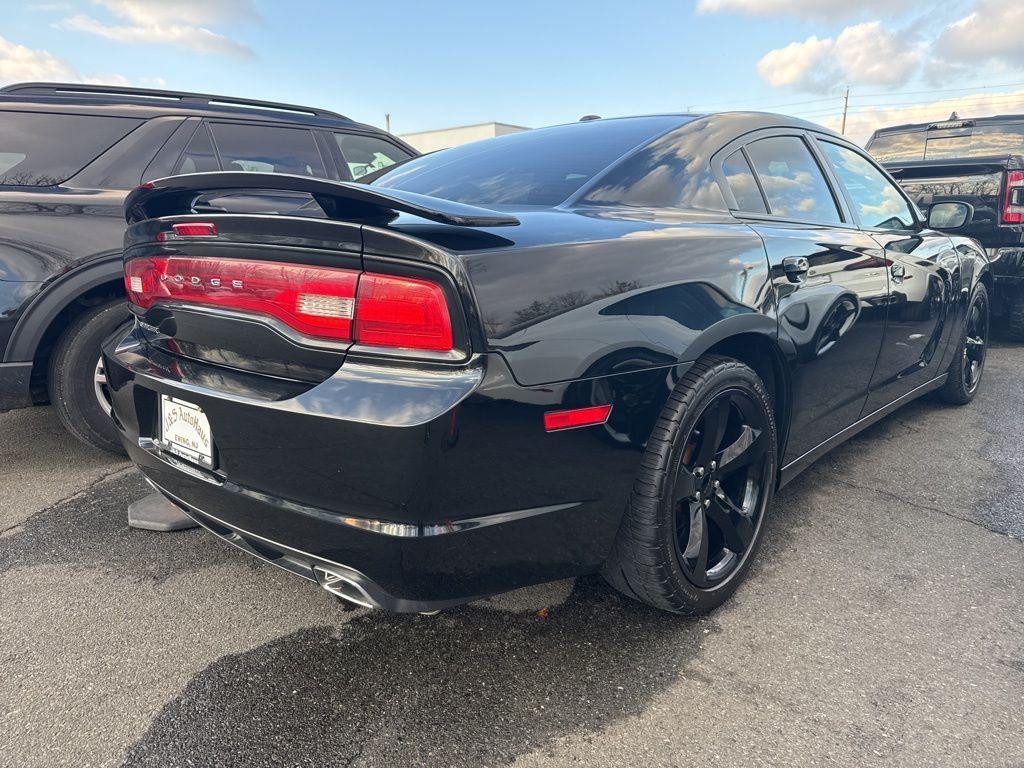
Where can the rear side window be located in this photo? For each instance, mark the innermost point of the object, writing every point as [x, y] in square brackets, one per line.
[199, 156]
[40, 149]
[742, 184]
[366, 154]
[267, 149]
[792, 180]
[878, 203]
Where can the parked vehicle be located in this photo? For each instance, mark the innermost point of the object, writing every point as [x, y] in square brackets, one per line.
[980, 162]
[69, 154]
[592, 347]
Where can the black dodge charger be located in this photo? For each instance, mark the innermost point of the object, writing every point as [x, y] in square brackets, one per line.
[596, 347]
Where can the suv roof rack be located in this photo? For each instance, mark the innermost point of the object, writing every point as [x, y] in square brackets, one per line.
[181, 97]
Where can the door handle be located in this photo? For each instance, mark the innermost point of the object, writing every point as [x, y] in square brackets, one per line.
[796, 268]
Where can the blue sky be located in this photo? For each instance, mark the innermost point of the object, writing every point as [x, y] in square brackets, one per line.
[533, 63]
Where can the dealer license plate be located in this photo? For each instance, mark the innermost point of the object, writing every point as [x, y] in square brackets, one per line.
[185, 431]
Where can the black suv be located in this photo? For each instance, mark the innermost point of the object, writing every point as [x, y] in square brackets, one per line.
[69, 154]
[979, 161]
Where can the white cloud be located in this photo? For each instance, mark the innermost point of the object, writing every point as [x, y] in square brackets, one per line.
[806, 9]
[798, 64]
[19, 64]
[992, 32]
[860, 123]
[180, 24]
[866, 54]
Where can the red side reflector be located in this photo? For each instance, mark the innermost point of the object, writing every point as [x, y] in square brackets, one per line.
[577, 417]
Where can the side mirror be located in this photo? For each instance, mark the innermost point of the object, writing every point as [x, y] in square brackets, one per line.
[950, 216]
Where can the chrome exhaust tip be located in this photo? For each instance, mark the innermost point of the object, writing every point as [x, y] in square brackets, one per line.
[344, 586]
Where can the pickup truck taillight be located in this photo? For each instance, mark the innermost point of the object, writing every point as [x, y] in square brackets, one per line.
[320, 302]
[1013, 201]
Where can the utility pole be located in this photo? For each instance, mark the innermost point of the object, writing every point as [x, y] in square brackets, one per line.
[846, 106]
[387, 122]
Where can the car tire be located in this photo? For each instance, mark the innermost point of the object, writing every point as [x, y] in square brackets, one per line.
[76, 392]
[1015, 315]
[968, 362]
[654, 559]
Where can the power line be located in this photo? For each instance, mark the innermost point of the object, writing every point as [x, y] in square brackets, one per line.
[937, 90]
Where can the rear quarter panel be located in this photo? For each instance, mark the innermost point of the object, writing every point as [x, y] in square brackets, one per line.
[625, 294]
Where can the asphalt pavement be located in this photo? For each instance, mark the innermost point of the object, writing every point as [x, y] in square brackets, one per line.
[883, 624]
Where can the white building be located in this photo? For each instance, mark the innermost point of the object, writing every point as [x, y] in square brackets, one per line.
[431, 141]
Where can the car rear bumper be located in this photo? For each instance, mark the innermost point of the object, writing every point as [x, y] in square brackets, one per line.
[450, 494]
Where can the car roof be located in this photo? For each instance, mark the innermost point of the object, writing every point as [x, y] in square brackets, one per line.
[144, 103]
[738, 122]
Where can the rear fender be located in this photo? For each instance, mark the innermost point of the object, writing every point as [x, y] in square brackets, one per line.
[51, 301]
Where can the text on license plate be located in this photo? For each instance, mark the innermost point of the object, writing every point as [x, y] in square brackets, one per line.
[185, 430]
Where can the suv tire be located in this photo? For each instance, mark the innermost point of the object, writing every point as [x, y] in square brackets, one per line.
[76, 391]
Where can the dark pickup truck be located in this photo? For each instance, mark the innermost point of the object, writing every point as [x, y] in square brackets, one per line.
[980, 162]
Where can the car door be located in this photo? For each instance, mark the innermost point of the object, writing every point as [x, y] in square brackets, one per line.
[923, 268]
[829, 279]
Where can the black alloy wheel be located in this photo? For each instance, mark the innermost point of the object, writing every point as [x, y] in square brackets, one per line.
[975, 343]
[718, 487]
[694, 520]
[968, 365]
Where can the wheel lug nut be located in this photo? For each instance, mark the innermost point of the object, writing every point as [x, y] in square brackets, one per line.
[717, 484]
[714, 466]
[699, 472]
[698, 495]
[707, 502]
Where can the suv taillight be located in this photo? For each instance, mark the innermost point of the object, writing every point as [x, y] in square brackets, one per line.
[319, 302]
[1013, 200]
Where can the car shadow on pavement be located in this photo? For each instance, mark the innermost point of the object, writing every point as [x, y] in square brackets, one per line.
[468, 687]
[476, 685]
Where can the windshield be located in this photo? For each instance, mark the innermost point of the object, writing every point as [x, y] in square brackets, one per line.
[949, 143]
[541, 167]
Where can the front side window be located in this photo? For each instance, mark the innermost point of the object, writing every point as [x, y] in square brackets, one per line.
[792, 180]
[742, 184]
[267, 149]
[367, 154]
[39, 149]
[878, 202]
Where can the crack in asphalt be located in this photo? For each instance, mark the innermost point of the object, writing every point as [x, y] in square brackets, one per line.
[917, 505]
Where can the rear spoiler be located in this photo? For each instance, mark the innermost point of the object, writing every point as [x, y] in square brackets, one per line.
[340, 200]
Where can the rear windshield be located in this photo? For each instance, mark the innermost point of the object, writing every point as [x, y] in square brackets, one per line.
[949, 143]
[542, 167]
[41, 149]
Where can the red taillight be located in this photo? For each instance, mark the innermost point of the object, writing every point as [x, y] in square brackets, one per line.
[577, 417]
[1013, 200]
[188, 229]
[402, 312]
[320, 302]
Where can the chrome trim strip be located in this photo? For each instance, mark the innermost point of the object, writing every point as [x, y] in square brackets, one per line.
[382, 527]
